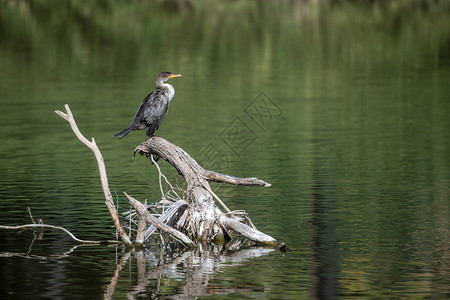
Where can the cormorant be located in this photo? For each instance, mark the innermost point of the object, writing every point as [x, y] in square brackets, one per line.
[153, 108]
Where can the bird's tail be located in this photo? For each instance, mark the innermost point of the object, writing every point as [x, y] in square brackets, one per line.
[123, 132]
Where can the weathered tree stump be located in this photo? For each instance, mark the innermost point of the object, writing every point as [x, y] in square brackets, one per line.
[197, 220]
[203, 220]
[200, 219]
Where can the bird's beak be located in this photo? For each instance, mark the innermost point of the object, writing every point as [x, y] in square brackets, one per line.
[173, 75]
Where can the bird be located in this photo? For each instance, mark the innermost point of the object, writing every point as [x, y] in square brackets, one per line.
[153, 108]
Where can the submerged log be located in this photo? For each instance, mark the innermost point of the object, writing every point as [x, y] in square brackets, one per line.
[206, 221]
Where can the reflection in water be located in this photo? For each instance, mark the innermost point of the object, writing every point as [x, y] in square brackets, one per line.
[151, 272]
[183, 274]
[324, 269]
[46, 256]
[375, 232]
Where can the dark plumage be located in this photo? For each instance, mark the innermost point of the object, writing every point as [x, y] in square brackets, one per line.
[153, 108]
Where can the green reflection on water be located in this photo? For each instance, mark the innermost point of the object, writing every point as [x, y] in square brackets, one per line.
[358, 158]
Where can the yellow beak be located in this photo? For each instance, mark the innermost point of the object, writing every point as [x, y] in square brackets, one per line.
[173, 75]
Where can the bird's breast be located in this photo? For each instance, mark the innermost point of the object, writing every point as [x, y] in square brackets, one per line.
[170, 91]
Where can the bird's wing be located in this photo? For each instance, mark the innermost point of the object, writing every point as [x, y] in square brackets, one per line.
[155, 110]
[139, 117]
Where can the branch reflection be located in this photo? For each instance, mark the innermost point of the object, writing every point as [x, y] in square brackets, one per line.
[176, 273]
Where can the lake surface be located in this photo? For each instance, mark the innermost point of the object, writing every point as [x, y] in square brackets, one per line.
[343, 108]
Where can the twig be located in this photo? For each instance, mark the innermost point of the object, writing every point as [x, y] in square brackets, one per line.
[31, 216]
[159, 177]
[165, 178]
[225, 207]
[217, 198]
[60, 228]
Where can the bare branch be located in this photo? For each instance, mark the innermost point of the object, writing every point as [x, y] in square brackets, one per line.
[101, 167]
[218, 177]
[248, 232]
[185, 164]
[140, 235]
[60, 228]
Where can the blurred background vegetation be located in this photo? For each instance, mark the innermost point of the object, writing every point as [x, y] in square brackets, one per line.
[123, 32]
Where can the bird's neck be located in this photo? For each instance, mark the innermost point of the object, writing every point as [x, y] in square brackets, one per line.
[162, 85]
[159, 83]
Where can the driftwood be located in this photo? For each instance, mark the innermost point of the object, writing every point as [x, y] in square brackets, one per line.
[197, 219]
[205, 221]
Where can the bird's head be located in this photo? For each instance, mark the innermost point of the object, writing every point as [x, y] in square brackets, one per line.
[164, 76]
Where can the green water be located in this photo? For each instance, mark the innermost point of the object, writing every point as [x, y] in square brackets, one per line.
[343, 108]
